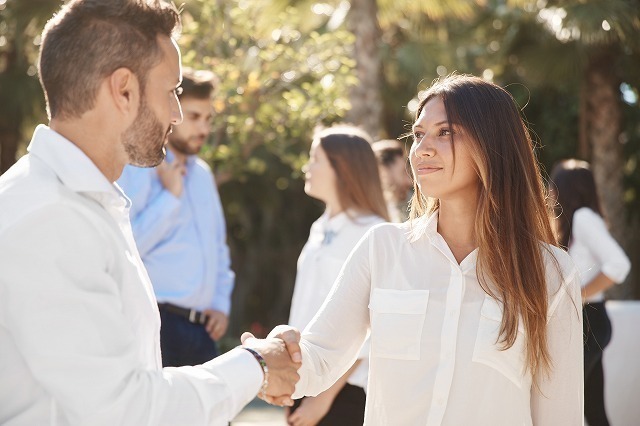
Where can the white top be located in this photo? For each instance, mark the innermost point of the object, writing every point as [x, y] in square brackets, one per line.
[330, 242]
[594, 250]
[79, 324]
[434, 358]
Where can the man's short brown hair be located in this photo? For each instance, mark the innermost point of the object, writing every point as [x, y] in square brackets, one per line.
[199, 84]
[90, 39]
[387, 151]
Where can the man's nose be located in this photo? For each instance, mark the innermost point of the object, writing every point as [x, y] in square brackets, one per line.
[176, 112]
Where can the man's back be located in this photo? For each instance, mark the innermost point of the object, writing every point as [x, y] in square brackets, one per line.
[65, 274]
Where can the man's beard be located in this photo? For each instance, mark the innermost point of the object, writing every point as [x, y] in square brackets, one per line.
[144, 140]
[182, 145]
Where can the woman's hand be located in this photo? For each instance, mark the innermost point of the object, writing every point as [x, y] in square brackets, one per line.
[311, 410]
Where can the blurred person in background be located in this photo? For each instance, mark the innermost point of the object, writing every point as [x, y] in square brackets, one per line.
[601, 262]
[180, 231]
[343, 174]
[396, 180]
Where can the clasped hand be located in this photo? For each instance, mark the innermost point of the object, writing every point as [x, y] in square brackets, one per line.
[281, 351]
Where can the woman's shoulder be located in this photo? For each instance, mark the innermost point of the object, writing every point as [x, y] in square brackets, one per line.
[561, 272]
[585, 213]
[389, 231]
[587, 224]
[555, 254]
[557, 258]
[586, 216]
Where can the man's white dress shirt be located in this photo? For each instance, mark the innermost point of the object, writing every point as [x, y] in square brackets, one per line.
[434, 357]
[329, 244]
[79, 324]
[594, 250]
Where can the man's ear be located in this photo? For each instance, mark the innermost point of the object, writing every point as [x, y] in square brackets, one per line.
[124, 89]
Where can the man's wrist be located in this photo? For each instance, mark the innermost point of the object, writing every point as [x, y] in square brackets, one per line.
[265, 370]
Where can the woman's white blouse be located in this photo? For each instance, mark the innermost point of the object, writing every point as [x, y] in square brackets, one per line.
[434, 358]
[330, 242]
[594, 250]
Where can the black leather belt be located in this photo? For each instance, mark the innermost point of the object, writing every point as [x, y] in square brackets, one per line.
[193, 316]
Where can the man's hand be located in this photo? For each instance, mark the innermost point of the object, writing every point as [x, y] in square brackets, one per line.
[283, 359]
[171, 176]
[217, 323]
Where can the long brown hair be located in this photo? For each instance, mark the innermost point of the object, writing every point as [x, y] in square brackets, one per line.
[512, 216]
[575, 187]
[357, 178]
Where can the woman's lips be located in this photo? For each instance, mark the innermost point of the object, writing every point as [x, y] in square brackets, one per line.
[426, 170]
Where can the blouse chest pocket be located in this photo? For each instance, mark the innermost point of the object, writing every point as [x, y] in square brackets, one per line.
[397, 319]
[489, 351]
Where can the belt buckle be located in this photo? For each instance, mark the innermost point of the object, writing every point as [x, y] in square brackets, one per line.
[192, 316]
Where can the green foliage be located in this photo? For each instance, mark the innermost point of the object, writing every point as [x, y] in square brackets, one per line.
[20, 25]
[537, 49]
[21, 99]
[275, 86]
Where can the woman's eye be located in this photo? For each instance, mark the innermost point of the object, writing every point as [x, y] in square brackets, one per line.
[444, 132]
[417, 135]
[177, 91]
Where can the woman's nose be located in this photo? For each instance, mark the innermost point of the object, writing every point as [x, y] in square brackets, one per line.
[424, 148]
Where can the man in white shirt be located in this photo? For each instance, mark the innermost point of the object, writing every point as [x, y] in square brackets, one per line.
[79, 324]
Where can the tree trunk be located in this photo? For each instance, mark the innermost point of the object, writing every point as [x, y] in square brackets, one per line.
[584, 147]
[603, 128]
[366, 99]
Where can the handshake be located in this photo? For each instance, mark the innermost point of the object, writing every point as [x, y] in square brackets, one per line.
[282, 355]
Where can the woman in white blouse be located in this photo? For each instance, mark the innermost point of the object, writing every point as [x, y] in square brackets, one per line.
[601, 263]
[473, 312]
[342, 172]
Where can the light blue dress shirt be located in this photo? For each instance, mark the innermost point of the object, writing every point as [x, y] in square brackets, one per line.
[182, 241]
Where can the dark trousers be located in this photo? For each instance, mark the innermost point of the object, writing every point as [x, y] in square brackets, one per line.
[347, 409]
[597, 330]
[184, 343]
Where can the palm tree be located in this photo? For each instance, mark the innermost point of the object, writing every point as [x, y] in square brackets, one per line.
[588, 46]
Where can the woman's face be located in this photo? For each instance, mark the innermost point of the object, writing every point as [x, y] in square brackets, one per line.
[320, 178]
[432, 158]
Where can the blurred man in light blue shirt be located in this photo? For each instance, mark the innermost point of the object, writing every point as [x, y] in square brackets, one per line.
[179, 227]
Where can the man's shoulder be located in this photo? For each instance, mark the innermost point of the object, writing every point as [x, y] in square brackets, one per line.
[28, 182]
[202, 167]
[203, 174]
[28, 187]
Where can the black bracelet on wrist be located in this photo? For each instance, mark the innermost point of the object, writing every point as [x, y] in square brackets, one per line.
[265, 371]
